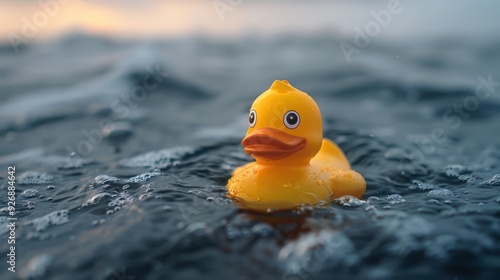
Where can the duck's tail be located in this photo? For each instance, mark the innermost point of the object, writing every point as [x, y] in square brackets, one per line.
[333, 155]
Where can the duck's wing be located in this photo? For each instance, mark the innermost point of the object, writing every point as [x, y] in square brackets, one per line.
[347, 182]
[332, 155]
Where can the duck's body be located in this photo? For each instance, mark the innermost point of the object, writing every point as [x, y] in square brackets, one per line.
[328, 176]
[294, 166]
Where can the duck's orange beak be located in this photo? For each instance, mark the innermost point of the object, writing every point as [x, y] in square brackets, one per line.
[272, 144]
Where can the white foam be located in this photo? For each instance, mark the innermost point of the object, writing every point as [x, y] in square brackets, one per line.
[422, 186]
[29, 193]
[54, 218]
[493, 181]
[441, 193]
[395, 199]
[143, 177]
[159, 159]
[34, 178]
[348, 200]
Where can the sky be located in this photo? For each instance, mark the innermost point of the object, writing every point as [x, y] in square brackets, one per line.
[42, 19]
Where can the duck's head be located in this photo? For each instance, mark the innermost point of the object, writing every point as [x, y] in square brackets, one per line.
[284, 126]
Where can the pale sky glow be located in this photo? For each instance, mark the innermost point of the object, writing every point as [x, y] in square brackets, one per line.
[134, 18]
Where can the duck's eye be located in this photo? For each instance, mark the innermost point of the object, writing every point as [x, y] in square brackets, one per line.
[291, 119]
[252, 118]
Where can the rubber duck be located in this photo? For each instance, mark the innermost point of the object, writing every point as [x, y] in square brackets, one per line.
[294, 166]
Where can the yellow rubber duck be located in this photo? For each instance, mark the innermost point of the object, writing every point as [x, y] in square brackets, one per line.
[294, 165]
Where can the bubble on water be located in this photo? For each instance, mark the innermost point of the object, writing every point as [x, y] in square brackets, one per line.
[36, 267]
[395, 199]
[96, 199]
[143, 177]
[159, 159]
[440, 193]
[105, 179]
[50, 198]
[54, 218]
[422, 186]
[434, 201]
[51, 187]
[348, 200]
[34, 178]
[29, 193]
[120, 200]
[146, 188]
[30, 204]
[102, 181]
[493, 181]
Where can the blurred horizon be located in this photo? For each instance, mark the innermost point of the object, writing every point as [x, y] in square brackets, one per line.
[48, 19]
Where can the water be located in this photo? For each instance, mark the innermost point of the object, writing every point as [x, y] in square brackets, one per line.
[118, 177]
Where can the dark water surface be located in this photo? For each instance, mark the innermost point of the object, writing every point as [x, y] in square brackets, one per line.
[122, 152]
